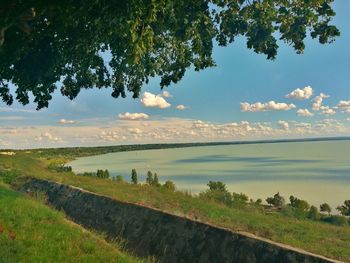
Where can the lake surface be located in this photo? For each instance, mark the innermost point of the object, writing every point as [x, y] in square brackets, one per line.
[316, 171]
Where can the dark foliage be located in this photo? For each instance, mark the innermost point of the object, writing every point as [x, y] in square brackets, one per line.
[49, 45]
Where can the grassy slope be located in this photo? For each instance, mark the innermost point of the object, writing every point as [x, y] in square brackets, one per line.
[30, 231]
[317, 237]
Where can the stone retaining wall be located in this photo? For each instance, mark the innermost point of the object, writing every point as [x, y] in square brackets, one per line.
[169, 238]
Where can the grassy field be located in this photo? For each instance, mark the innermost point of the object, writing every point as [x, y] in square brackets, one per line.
[317, 237]
[33, 232]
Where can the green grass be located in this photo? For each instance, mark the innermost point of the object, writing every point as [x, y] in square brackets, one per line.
[317, 237]
[33, 232]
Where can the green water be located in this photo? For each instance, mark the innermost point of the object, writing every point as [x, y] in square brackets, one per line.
[315, 171]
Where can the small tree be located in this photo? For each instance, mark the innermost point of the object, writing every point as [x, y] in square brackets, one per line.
[156, 180]
[133, 176]
[217, 191]
[149, 179]
[345, 208]
[299, 204]
[313, 213]
[106, 174]
[326, 208]
[276, 200]
[99, 173]
[217, 186]
[169, 185]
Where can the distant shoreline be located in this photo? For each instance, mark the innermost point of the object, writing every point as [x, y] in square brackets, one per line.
[183, 145]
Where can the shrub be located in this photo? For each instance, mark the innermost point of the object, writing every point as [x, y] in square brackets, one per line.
[59, 167]
[87, 174]
[276, 200]
[325, 208]
[8, 176]
[258, 201]
[169, 185]
[313, 213]
[119, 178]
[219, 186]
[239, 198]
[217, 191]
[336, 220]
[299, 204]
[133, 176]
[345, 208]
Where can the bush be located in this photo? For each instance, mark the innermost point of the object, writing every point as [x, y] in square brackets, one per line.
[313, 213]
[345, 208]
[299, 204]
[86, 174]
[276, 200]
[240, 198]
[325, 208]
[217, 191]
[219, 186]
[336, 220]
[8, 176]
[169, 185]
[59, 167]
[258, 201]
[119, 178]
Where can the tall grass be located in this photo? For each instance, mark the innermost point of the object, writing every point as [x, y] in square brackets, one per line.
[32, 232]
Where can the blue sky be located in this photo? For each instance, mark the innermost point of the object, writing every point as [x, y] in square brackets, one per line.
[212, 100]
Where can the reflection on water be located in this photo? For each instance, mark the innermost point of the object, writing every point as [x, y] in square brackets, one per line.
[316, 171]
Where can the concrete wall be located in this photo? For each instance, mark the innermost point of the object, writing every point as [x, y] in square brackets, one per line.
[149, 232]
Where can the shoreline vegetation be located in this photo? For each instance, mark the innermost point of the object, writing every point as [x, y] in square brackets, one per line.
[293, 222]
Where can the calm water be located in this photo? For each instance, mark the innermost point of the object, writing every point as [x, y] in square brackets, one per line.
[315, 171]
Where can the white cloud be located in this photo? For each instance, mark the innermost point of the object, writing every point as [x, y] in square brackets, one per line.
[48, 137]
[283, 125]
[344, 106]
[325, 110]
[109, 136]
[304, 113]
[271, 105]
[300, 94]
[133, 116]
[317, 101]
[64, 121]
[154, 101]
[181, 107]
[167, 94]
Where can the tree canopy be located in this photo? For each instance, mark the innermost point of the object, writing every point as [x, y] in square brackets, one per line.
[49, 45]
